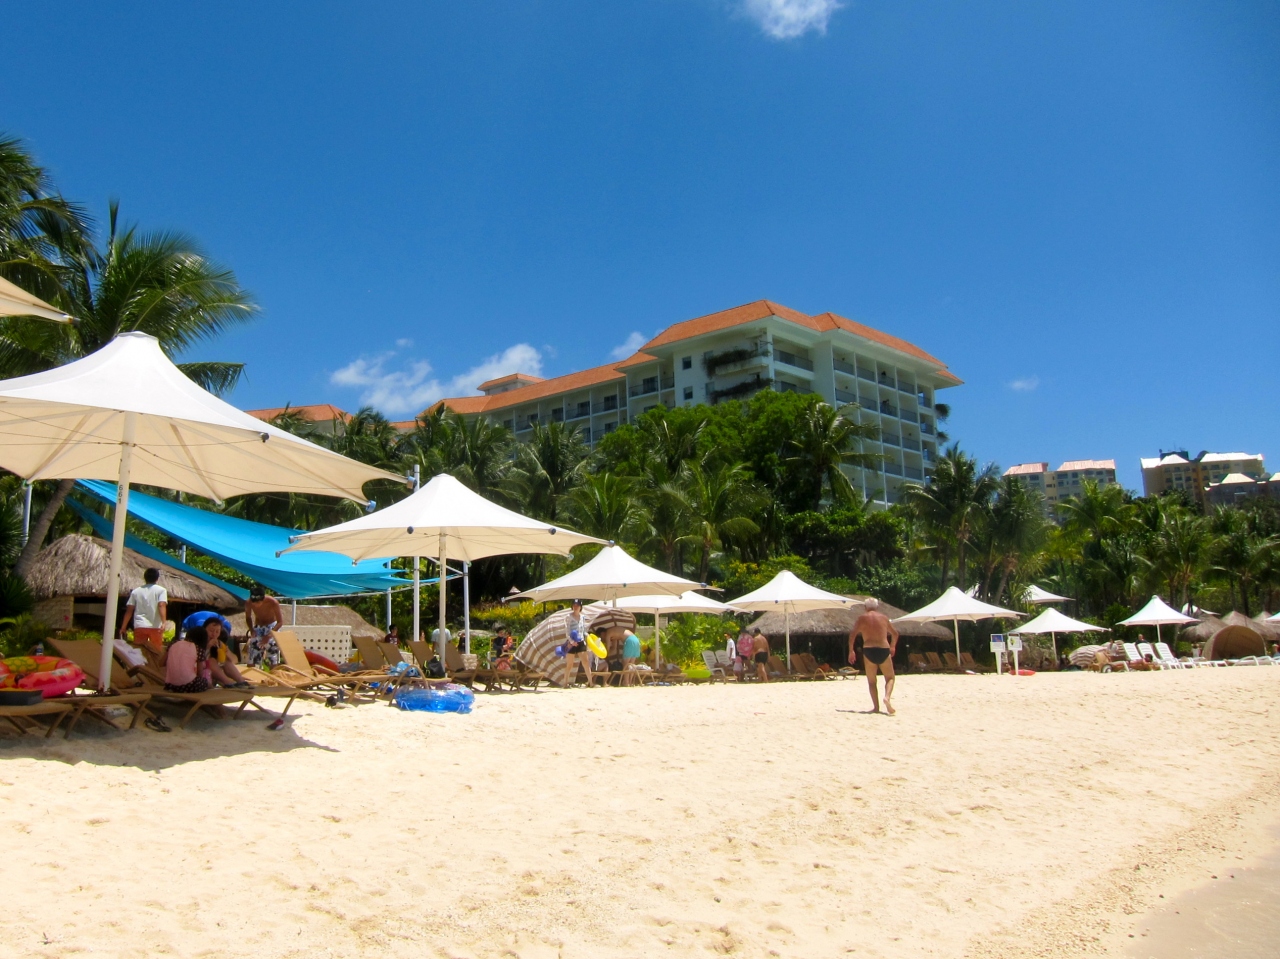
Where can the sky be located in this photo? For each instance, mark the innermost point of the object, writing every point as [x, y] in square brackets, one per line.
[1075, 206]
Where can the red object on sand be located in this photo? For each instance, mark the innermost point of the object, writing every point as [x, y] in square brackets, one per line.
[315, 659]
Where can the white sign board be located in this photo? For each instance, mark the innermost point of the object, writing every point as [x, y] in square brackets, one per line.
[1015, 644]
[997, 643]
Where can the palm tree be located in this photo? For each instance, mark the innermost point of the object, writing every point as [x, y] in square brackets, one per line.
[1179, 551]
[951, 505]
[39, 230]
[828, 440]
[719, 502]
[1018, 529]
[549, 467]
[607, 506]
[1244, 556]
[159, 283]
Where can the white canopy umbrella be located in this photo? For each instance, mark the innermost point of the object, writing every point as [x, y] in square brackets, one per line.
[956, 606]
[15, 301]
[126, 413]
[444, 520]
[662, 605]
[1274, 619]
[610, 575]
[789, 593]
[1053, 622]
[1157, 613]
[1038, 597]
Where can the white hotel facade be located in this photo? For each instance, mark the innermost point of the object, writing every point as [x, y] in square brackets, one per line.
[732, 355]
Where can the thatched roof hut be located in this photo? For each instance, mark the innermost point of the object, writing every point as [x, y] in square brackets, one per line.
[1202, 631]
[839, 622]
[1235, 642]
[1210, 626]
[77, 565]
[319, 616]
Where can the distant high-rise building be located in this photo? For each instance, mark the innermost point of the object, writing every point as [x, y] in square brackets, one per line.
[1064, 482]
[1177, 470]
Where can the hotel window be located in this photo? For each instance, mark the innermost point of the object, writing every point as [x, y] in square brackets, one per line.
[584, 409]
[611, 401]
[686, 363]
[557, 415]
[688, 392]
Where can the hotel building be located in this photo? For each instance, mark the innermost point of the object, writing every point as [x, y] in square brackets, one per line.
[1057, 486]
[732, 355]
[1179, 471]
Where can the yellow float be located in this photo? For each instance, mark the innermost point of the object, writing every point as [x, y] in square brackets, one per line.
[596, 646]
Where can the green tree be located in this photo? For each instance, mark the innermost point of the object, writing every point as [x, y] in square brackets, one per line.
[548, 468]
[157, 283]
[719, 503]
[951, 506]
[607, 506]
[826, 442]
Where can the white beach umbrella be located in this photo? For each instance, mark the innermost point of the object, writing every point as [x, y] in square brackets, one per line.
[1038, 597]
[790, 594]
[955, 606]
[126, 413]
[610, 575]
[1053, 622]
[663, 605]
[1157, 613]
[1274, 619]
[444, 520]
[15, 301]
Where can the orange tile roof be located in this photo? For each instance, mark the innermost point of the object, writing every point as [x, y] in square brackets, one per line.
[316, 413]
[726, 319]
[510, 377]
[835, 321]
[581, 380]
[1088, 465]
[1024, 469]
[461, 404]
[636, 359]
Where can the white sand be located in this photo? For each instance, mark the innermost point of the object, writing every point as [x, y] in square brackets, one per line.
[991, 817]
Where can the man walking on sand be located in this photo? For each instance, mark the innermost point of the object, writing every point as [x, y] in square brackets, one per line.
[879, 643]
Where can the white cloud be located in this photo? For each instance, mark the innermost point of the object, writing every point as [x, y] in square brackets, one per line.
[1025, 385]
[628, 346]
[409, 387]
[788, 19]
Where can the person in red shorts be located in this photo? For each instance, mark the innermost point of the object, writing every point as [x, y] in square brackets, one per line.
[148, 607]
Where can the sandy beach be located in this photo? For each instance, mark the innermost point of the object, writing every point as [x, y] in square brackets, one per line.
[990, 818]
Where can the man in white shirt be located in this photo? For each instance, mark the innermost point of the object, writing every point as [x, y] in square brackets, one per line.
[148, 608]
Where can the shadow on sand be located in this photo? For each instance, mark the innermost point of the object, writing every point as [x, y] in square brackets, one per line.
[204, 737]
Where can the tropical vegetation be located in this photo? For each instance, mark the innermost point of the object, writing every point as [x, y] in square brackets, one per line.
[724, 494]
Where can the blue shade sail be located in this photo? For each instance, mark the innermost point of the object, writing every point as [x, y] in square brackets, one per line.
[249, 548]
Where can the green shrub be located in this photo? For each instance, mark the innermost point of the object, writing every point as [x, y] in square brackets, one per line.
[19, 634]
[687, 635]
[15, 597]
[519, 618]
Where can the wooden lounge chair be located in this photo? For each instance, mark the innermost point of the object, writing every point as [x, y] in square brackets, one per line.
[776, 669]
[816, 669]
[299, 673]
[917, 662]
[85, 654]
[801, 669]
[968, 662]
[934, 662]
[19, 717]
[950, 660]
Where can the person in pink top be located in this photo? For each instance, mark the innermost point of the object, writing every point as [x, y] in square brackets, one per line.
[186, 669]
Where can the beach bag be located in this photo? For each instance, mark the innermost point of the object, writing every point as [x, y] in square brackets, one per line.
[435, 668]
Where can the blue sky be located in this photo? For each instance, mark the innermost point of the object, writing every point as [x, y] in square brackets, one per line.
[1076, 206]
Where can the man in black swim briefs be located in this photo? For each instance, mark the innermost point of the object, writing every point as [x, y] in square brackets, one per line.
[879, 643]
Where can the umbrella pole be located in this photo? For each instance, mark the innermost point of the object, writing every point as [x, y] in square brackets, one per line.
[786, 618]
[389, 611]
[117, 551]
[956, 624]
[466, 605]
[657, 639]
[417, 600]
[444, 578]
[1053, 639]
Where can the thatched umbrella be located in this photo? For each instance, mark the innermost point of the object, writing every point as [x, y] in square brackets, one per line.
[322, 616]
[1202, 631]
[78, 565]
[833, 623]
